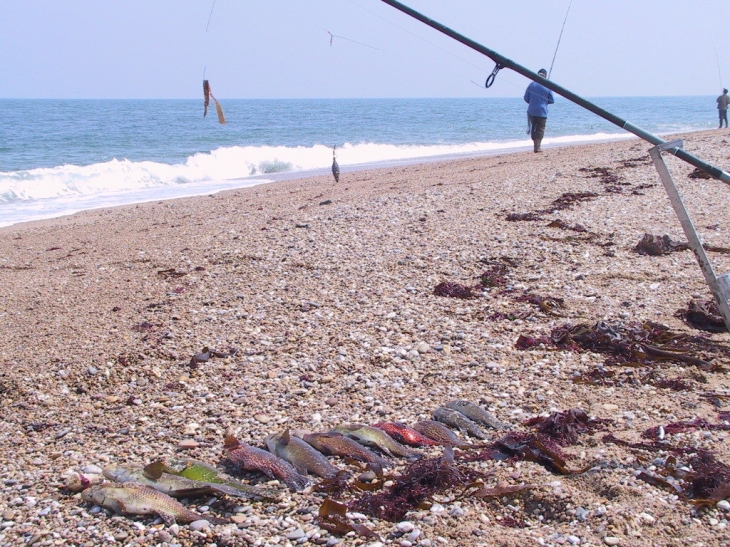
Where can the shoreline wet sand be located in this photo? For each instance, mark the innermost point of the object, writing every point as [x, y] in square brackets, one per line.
[327, 291]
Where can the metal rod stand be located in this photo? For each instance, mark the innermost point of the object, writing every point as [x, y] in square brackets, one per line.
[720, 287]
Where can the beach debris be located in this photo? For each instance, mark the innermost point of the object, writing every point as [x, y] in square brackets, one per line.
[452, 289]
[164, 479]
[681, 427]
[546, 304]
[203, 357]
[335, 165]
[529, 447]
[568, 199]
[703, 316]
[414, 486]
[565, 427]
[300, 454]
[456, 419]
[477, 414]
[440, 433]
[207, 96]
[336, 444]
[501, 489]
[699, 174]
[137, 499]
[495, 275]
[77, 481]
[373, 436]
[523, 217]
[406, 435]
[632, 343]
[662, 245]
[332, 516]
[251, 458]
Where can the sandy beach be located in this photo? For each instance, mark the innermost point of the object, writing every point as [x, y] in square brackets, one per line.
[326, 292]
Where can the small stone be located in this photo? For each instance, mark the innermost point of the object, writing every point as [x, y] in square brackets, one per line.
[92, 371]
[191, 428]
[368, 476]
[610, 406]
[187, 444]
[405, 527]
[437, 508]
[238, 519]
[296, 534]
[330, 401]
[723, 505]
[422, 347]
[199, 525]
[121, 535]
[573, 540]
[262, 418]
[610, 540]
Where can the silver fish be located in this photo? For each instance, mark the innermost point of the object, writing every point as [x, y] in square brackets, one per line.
[456, 419]
[477, 413]
[372, 436]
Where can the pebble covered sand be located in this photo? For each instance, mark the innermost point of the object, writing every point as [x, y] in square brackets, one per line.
[327, 292]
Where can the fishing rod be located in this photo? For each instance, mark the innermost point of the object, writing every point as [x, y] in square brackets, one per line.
[550, 72]
[504, 62]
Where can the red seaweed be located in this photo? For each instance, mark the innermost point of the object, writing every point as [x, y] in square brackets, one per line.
[453, 290]
[565, 427]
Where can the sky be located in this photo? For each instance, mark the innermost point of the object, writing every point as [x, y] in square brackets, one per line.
[162, 49]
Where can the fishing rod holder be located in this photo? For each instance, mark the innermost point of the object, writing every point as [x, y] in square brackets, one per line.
[719, 286]
[493, 75]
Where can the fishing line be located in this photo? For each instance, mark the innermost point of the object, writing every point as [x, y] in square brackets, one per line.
[333, 36]
[560, 38]
[717, 59]
[210, 15]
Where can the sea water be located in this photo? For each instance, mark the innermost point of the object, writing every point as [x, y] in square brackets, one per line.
[62, 156]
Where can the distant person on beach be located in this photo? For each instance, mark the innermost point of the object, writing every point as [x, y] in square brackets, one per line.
[722, 103]
[538, 98]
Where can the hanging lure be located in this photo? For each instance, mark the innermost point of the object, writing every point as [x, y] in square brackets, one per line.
[207, 96]
[335, 167]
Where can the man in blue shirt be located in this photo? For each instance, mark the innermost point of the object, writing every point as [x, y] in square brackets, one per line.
[538, 98]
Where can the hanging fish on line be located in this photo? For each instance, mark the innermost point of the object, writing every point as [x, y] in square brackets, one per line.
[207, 96]
[335, 166]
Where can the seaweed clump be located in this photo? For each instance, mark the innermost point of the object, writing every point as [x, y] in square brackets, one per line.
[452, 289]
[565, 427]
[418, 482]
[536, 448]
[703, 316]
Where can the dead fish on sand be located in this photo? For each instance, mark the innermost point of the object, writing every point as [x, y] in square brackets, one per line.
[300, 454]
[255, 459]
[372, 436]
[477, 413]
[170, 483]
[132, 498]
[336, 444]
[440, 433]
[456, 419]
[199, 471]
[406, 435]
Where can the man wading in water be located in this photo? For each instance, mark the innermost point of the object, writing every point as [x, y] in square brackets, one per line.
[538, 97]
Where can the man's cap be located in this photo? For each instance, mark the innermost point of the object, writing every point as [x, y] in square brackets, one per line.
[724, 90]
[542, 72]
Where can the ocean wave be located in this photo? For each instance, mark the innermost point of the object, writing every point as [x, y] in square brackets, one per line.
[226, 164]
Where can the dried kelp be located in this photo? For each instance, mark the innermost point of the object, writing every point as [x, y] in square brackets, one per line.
[658, 245]
[632, 343]
[332, 517]
[703, 316]
[452, 289]
[699, 174]
[682, 427]
[565, 427]
[662, 245]
[565, 226]
[536, 448]
[569, 199]
[523, 217]
[606, 174]
[418, 482]
[494, 276]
